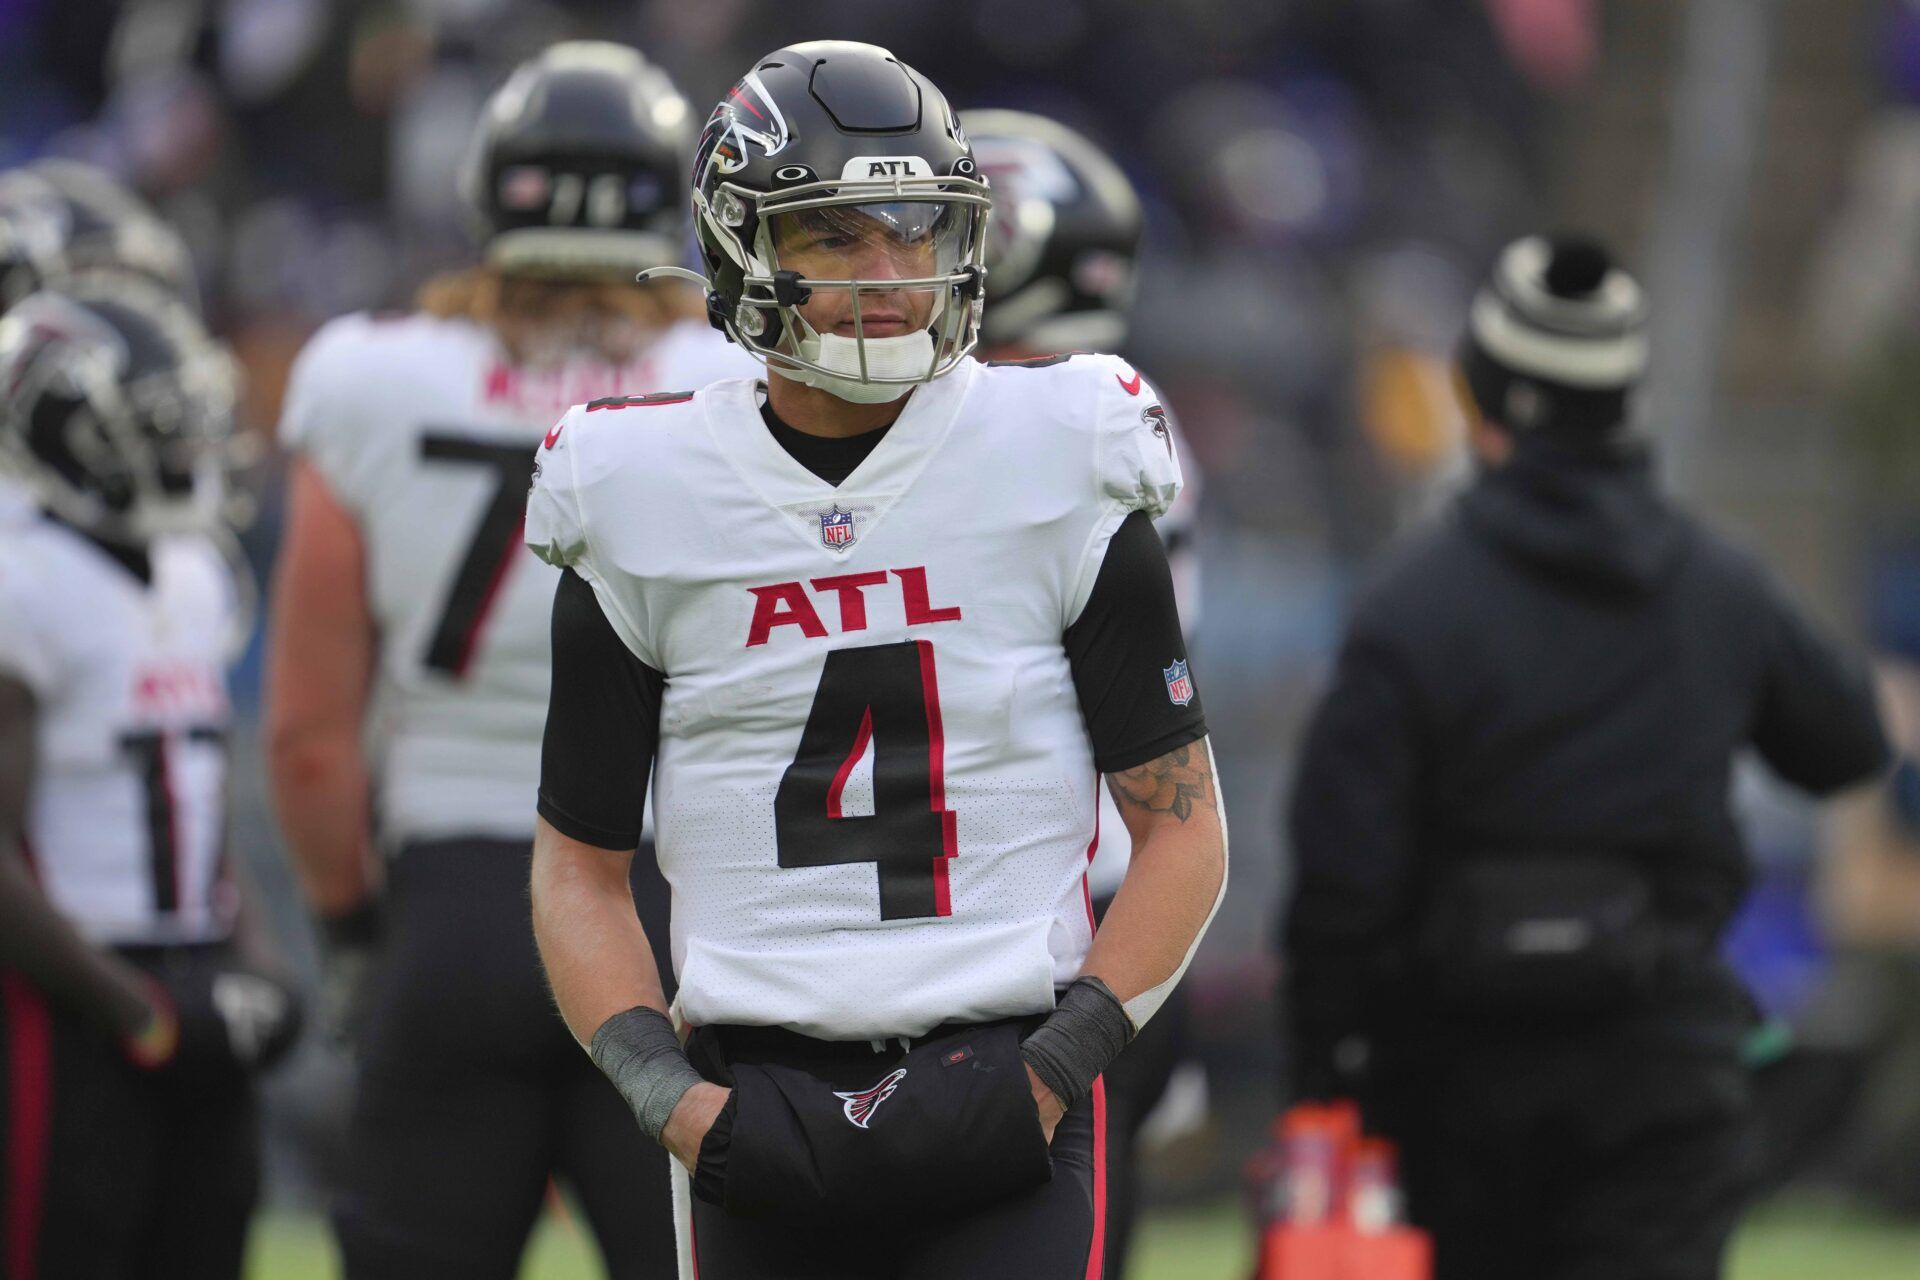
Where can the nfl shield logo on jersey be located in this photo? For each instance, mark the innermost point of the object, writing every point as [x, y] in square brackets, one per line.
[1179, 683]
[836, 528]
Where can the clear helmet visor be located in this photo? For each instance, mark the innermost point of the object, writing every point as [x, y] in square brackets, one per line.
[892, 259]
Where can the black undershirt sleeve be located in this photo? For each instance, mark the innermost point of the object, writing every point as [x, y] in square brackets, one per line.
[603, 724]
[1121, 649]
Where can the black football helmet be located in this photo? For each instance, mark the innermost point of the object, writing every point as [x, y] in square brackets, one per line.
[60, 219]
[575, 168]
[843, 143]
[117, 409]
[1064, 237]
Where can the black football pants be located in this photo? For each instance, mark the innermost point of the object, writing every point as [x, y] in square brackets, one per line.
[110, 1173]
[471, 1093]
[961, 1187]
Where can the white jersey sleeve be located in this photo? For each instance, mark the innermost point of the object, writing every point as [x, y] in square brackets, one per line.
[28, 653]
[566, 474]
[1136, 467]
[556, 527]
[325, 417]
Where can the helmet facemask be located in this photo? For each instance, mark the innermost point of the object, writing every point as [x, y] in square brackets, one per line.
[862, 288]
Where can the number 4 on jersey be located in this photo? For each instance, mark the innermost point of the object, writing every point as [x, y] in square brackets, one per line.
[886, 696]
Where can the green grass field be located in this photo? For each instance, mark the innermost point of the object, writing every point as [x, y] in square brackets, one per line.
[1800, 1241]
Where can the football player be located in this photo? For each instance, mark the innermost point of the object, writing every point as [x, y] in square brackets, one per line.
[1062, 245]
[60, 218]
[408, 673]
[876, 623]
[136, 1005]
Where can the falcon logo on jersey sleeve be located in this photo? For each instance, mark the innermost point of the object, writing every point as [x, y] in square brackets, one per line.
[836, 528]
[1155, 416]
[1179, 683]
[861, 1106]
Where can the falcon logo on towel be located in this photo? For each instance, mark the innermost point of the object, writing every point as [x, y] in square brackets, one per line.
[861, 1106]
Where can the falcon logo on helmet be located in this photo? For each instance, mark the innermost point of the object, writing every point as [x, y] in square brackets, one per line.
[859, 1107]
[746, 116]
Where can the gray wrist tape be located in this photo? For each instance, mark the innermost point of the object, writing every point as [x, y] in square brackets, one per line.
[1085, 1033]
[639, 1052]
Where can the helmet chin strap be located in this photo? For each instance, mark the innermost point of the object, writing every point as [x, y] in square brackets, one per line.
[907, 355]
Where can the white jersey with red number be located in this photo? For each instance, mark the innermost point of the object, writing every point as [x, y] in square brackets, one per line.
[874, 790]
[126, 825]
[425, 431]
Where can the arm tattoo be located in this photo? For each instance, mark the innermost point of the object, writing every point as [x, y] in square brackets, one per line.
[1175, 783]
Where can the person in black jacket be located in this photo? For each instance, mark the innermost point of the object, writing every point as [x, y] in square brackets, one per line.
[1514, 849]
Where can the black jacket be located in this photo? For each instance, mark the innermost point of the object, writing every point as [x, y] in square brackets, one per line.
[1566, 662]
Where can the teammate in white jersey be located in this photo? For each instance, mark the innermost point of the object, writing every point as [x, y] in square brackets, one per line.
[135, 1010]
[874, 626]
[409, 671]
[1062, 247]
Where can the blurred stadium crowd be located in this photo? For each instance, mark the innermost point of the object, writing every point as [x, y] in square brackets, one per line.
[1325, 181]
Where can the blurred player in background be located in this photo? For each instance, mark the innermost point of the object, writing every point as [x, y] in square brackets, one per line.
[408, 676]
[138, 1001]
[59, 219]
[1062, 245]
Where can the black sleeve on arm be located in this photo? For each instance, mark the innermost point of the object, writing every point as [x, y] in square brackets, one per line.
[603, 723]
[1121, 647]
[1818, 722]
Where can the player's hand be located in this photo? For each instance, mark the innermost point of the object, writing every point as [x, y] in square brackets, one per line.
[351, 944]
[692, 1116]
[1049, 1106]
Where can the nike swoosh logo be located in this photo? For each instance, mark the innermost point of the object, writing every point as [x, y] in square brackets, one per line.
[1131, 388]
[553, 436]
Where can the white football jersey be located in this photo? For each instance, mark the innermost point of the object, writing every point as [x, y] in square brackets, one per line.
[126, 826]
[875, 791]
[425, 431]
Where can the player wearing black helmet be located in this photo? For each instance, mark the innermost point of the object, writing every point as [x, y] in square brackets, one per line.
[135, 1007]
[1062, 248]
[875, 626]
[60, 219]
[403, 583]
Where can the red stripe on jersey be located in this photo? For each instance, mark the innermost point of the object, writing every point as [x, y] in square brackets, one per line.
[173, 827]
[860, 741]
[29, 1121]
[471, 644]
[937, 781]
[1093, 847]
[1097, 1247]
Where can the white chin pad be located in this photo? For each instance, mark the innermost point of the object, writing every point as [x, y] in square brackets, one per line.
[908, 355]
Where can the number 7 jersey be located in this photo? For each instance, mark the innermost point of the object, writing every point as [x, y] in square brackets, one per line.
[875, 792]
[425, 431]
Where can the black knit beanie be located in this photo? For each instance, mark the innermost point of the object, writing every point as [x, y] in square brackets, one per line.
[1556, 339]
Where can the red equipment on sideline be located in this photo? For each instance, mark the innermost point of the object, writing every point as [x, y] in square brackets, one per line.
[1328, 1202]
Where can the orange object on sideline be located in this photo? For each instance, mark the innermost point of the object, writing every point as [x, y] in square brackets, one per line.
[1341, 1253]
